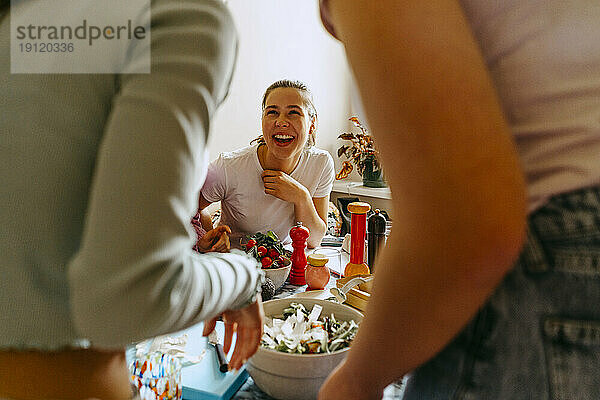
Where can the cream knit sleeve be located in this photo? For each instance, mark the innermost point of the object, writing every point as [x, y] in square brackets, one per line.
[135, 274]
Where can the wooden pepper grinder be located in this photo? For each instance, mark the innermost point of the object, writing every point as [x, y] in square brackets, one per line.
[376, 227]
[358, 230]
[298, 234]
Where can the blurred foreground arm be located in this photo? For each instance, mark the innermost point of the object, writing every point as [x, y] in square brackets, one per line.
[129, 280]
[458, 192]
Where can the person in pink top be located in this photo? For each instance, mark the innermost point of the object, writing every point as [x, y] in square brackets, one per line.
[486, 116]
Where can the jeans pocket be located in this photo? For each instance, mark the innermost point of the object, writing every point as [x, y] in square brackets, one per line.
[573, 357]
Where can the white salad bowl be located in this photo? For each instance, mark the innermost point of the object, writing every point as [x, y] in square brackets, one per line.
[279, 275]
[297, 376]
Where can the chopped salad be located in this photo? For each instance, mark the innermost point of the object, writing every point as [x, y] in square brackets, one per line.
[303, 332]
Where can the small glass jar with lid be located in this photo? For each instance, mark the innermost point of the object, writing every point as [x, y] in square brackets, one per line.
[317, 273]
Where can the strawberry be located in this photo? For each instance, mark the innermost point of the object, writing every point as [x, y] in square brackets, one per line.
[281, 261]
[250, 244]
[266, 262]
[273, 254]
[262, 251]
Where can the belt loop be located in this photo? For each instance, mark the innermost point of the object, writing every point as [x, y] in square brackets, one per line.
[534, 257]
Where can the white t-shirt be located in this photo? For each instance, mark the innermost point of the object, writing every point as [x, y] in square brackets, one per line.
[234, 179]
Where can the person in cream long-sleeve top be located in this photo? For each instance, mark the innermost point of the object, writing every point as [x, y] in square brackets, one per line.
[100, 174]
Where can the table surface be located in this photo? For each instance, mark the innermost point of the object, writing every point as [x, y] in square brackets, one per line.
[249, 390]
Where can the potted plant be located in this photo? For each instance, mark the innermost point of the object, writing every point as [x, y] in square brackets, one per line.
[363, 154]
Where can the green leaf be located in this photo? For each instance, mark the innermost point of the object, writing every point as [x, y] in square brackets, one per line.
[273, 236]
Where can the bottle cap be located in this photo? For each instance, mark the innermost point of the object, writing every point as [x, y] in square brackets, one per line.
[358, 207]
[317, 260]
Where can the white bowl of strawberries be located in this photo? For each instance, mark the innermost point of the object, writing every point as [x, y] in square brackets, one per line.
[268, 250]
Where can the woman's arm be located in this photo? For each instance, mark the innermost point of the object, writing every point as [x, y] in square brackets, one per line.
[458, 193]
[142, 282]
[211, 239]
[205, 218]
[312, 212]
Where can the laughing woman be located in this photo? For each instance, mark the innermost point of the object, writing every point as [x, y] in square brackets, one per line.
[279, 179]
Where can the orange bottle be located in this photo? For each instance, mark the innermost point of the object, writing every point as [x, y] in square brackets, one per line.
[358, 231]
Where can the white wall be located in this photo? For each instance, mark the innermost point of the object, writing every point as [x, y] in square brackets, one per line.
[282, 39]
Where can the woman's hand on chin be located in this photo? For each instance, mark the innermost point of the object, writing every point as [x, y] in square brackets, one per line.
[283, 186]
[215, 240]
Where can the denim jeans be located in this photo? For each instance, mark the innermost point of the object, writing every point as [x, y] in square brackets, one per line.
[538, 336]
